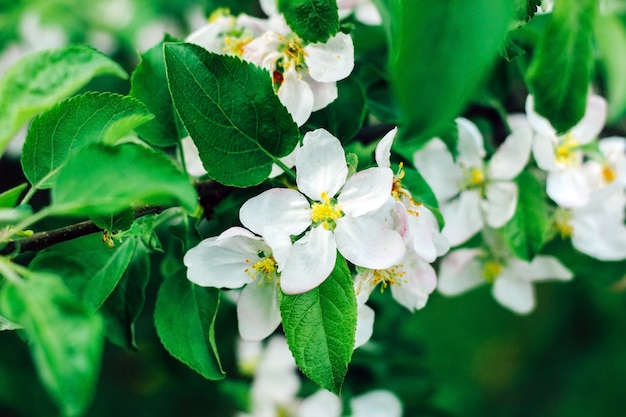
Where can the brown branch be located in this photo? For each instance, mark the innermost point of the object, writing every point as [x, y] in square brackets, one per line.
[210, 192]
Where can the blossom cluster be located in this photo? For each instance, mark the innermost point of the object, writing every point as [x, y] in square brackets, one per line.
[292, 237]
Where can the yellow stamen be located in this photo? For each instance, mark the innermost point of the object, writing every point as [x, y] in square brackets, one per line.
[474, 177]
[562, 223]
[234, 45]
[491, 270]
[390, 276]
[608, 174]
[326, 212]
[564, 152]
[265, 269]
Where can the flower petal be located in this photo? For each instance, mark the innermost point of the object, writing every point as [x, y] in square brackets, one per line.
[288, 160]
[500, 203]
[540, 124]
[191, 156]
[383, 149]
[592, 122]
[543, 152]
[471, 150]
[296, 96]
[418, 282]
[514, 294]
[258, 312]
[460, 271]
[463, 217]
[322, 403]
[541, 268]
[310, 262]
[378, 403]
[364, 326]
[320, 165]
[323, 93]
[512, 156]
[330, 61]
[436, 165]
[367, 243]
[569, 187]
[281, 210]
[366, 191]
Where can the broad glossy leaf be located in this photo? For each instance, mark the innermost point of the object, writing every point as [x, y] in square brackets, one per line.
[440, 52]
[9, 198]
[123, 307]
[525, 233]
[149, 84]
[57, 134]
[229, 108]
[88, 266]
[610, 37]
[312, 20]
[101, 180]
[65, 338]
[41, 79]
[560, 71]
[184, 317]
[320, 328]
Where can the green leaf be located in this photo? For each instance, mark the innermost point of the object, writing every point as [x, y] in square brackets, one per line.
[184, 317]
[344, 116]
[87, 265]
[610, 36]
[115, 222]
[9, 198]
[149, 84]
[229, 108]
[525, 233]
[66, 340]
[440, 52]
[312, 20]
[41, 79]
[123, 307]
[320, 328]
[560, 71]
[57, 134]
[100, 180]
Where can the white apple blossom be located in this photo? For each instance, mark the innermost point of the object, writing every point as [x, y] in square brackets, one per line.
[609, 165]
[365, 11]
[472, 192]
[377, 403]
[597, 228]
[329, 211]
[234, 259]
[512, 278]
[561, 155]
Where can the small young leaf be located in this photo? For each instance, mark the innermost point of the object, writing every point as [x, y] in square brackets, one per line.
[440, 52]
[9, 198]
[66, 339]
[312, 20]
[55, 135]
[115, 222]
[560, 72]
[231, 112]
[102, 180]
[184, 317]
[320, 328]
[149, 84]
[41, 79]
[88, 266]
[121, 310]
[525, 233]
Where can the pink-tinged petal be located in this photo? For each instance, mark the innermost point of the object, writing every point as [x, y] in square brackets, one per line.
[221, 263]
[310, 262]
[322, 403]
[378, 403]
[592, 122]
[460, 271]
[463, 217]
[543, 152]
[366, 191]
[323, 93]
[383, 149]
[540, 124]
[569, 187]
[541, 268]
[258, 312]
[514, 294]
[421, 235]
[500, 203]
[512, 156]
[471, 150]
[280, 210]
[368, 243]
[413, 289]
[296, 96]
[436, 165]
[330, 61]
[320, 165]
[364, 326]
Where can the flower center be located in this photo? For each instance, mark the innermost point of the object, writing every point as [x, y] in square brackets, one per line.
[401, 194]
[474, 178]
[294, 53]
[562, 223]
[234, 45]
[390, 276]
[265, 269]
[565, 153]
[491, 270]
[608, 174]
[326, 212]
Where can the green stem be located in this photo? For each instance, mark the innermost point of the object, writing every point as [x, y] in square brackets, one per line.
[286, 169]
